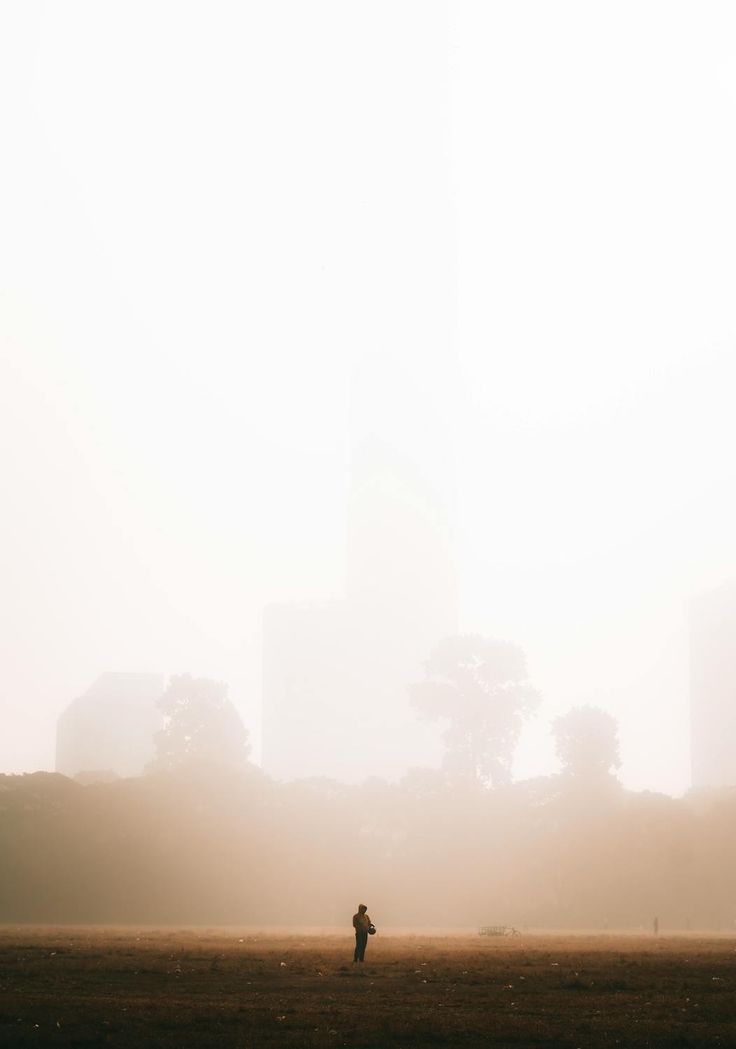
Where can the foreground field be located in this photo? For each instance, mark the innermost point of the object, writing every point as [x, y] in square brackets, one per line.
[82, 987]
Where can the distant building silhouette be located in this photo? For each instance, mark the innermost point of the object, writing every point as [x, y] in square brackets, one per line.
[306, 679]
[713, 687]
[335, 675]
[110, 728]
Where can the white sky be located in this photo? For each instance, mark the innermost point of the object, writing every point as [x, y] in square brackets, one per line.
[206, 212]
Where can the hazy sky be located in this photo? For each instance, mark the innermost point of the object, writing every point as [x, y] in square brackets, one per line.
[208, 212]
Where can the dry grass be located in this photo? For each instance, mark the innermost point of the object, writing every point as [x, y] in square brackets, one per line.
[240, 988]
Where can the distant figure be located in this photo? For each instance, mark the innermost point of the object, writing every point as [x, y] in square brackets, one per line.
[362, 925]
[655, 926]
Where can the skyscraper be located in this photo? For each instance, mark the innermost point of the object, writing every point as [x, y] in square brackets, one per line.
[335, 675]
[713, 688]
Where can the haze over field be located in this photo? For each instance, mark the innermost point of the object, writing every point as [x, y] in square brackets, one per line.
[236, 238]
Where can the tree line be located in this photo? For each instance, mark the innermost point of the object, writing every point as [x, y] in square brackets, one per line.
[205, 837]
[206, 845]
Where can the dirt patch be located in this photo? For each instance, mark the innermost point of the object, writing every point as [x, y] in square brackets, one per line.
[253, 990]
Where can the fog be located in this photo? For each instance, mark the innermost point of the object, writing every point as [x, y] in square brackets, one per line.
[367, 325]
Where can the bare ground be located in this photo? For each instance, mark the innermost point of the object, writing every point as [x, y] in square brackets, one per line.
[124, 987]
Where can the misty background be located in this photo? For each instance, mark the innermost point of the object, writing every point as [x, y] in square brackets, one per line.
[212, 216]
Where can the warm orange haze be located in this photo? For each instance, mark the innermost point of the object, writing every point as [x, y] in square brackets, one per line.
[367, 560]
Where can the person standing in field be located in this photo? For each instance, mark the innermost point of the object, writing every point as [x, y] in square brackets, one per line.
[362, 925]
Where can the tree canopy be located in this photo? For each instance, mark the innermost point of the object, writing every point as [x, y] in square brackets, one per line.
[586, 742]
[480, 687]
[202, 727]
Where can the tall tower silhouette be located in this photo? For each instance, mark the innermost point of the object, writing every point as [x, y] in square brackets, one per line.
[401, 578]
[335, 675]
[713, 687]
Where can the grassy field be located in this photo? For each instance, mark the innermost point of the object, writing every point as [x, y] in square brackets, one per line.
[66, 986]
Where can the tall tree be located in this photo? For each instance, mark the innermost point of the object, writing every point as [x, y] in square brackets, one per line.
[586, 741]
[480, 687]
[201, 727]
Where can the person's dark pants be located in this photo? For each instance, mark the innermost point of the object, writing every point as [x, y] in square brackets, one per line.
[361, 939]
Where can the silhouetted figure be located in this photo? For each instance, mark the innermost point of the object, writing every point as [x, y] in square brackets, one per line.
[362, 925]
[655, 926]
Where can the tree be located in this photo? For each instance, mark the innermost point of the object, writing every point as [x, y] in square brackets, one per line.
[201, 727]
[480, 687]
[586, 741]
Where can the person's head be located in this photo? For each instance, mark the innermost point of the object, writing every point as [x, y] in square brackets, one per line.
[362, 908]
